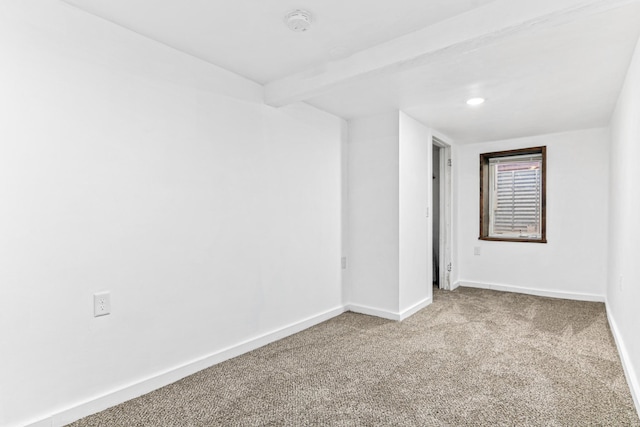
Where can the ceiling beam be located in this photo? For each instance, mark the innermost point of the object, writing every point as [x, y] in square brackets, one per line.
[478, 28]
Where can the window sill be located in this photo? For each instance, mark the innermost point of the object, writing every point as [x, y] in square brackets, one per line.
[506, 239]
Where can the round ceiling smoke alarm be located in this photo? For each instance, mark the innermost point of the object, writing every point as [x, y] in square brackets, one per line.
[298, 20]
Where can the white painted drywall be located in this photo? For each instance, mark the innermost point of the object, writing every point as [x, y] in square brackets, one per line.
[573, 262]
[623, 284]
[389, 193]
[415, 201]
[373, 211]
[130, 167]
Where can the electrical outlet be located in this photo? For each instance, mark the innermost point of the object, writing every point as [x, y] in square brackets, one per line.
[620, 283]
[101, 304]
[344, 262]
[476, 250]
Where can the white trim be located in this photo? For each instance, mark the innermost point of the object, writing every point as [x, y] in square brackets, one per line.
[533, 291]
[370, 311]
[629, 371]
[397, 316]
[415, 308]
[115, 397]
[443, 138]
[47, 422]
[446, 244]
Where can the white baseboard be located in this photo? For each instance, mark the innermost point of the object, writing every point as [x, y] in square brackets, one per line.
[47, 422]
[391, 315]
[629, 371]
[370, 311]
[162, 379]
[532, 291]
[415, 308]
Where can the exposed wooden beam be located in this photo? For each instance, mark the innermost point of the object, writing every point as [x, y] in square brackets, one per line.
[464, 33]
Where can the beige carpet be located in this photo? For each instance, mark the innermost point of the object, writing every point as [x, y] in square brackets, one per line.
[472, 358]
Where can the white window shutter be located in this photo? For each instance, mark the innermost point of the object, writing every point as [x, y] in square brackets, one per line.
[518, 202]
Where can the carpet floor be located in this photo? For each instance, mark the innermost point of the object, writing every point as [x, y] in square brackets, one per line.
[472, 358]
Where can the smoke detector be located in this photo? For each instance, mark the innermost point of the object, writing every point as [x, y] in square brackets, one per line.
[298, 20]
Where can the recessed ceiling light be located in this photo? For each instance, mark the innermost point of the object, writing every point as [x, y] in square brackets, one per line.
[475, 101]
[298, 20]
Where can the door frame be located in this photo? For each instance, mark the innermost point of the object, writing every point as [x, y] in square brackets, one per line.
[445, 267]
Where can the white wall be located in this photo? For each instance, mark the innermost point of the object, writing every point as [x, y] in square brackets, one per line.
[373, 211]
[130, 167]
[573, 262]
[623, 284]
[414, 199]
[389, 190]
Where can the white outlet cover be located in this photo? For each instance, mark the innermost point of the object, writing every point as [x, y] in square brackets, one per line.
[101, 304]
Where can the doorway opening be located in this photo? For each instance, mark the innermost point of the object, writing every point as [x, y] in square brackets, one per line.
[441, 218]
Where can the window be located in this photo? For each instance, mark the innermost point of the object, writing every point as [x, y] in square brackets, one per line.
[512, 195]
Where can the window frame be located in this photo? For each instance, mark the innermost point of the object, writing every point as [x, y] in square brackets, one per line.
[485, 193]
